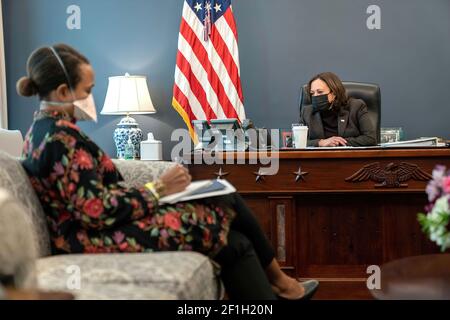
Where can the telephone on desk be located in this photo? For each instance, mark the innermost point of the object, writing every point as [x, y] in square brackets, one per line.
[259, 139]
[234, 136]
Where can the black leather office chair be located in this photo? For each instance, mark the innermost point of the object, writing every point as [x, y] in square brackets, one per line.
[368, 92]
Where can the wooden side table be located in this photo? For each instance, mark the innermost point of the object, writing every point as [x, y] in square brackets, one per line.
[17, 294]
[424, 277]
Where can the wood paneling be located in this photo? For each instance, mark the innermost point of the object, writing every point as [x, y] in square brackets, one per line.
[339, 230]
[261, 208]
[283, 228]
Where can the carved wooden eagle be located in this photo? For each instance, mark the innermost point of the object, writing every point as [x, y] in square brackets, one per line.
[391, 176]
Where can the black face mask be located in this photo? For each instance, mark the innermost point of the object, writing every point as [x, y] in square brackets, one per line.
[320, 103]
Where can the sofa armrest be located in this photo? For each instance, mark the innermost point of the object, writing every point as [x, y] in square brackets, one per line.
[156, 275]
[18, 249]
[137, 173]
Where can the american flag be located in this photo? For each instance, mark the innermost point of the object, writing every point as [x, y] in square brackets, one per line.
[207, 75]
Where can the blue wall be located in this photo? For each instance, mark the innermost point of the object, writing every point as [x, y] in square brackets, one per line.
[282, 44]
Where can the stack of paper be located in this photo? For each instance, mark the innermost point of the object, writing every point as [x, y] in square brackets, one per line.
[423, 142]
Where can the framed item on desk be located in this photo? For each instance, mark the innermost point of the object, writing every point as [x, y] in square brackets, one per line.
[286, 138]
[389, 135]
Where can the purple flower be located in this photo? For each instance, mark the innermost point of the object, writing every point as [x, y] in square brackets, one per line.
[163, 233]
[435, 186]
[429, 208]
[439, 174]
[118, 237]
[114, 202]
[433, 190]
[58, 169]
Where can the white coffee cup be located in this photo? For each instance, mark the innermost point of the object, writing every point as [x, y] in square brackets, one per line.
[300, 134]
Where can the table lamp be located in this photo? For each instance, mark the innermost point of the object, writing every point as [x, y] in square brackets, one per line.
[128, 95]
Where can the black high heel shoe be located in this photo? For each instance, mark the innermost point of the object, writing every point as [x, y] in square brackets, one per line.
[310, 287]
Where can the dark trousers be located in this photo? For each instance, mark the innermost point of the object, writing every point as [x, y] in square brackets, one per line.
[246, 256]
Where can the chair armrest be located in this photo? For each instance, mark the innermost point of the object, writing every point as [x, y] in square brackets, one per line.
[137, 173]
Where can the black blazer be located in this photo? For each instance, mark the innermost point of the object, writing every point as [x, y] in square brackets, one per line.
[354, 124]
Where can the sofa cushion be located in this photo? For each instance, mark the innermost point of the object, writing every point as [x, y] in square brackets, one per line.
[18, 250]
[14, 179]
[182, 275]
[137, 173]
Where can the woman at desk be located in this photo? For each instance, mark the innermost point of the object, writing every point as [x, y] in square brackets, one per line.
[334, 119]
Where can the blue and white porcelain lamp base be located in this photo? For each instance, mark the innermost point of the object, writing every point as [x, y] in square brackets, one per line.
[128, 128]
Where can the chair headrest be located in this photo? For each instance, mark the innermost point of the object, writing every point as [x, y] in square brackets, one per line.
[358, 90]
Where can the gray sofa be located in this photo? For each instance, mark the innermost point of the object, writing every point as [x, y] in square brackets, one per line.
[166, 275]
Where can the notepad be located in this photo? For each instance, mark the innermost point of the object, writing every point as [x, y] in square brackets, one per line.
[199, 190]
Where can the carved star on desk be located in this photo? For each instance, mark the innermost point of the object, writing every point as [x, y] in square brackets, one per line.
[259, 175]
[300, 175]
[221, 174]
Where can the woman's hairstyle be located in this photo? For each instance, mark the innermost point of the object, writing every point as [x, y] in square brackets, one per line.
[335, 84]
[45, 74]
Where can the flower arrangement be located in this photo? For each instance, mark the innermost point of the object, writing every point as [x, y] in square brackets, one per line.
[435, 223]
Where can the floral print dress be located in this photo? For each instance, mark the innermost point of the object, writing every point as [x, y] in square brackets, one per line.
[89, 211]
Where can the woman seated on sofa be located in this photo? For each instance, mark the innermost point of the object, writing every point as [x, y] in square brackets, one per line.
[90, 212]
[335, 119]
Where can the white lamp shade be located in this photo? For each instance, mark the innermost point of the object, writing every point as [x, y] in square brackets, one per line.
[128, 95]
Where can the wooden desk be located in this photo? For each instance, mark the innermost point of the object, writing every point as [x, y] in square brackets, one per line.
[331, 214]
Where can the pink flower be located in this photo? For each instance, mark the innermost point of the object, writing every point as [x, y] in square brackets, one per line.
[172, 220]
[81, 236]
[118, 237]
[93, 208]
[446, 184]
[72, 188]
[58, 169]
[123, 246]
[114, 202]
[141, 225]
[83, 160]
